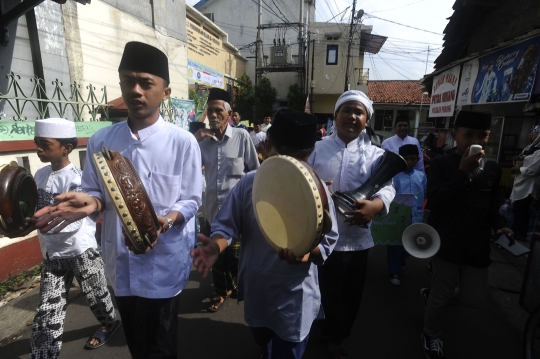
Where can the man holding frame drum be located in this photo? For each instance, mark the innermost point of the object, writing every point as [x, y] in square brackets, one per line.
[167, 159]
[280, 290]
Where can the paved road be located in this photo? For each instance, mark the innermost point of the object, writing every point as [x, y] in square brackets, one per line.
[388, 325]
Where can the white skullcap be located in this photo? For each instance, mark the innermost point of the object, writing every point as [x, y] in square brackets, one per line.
[55, 128]
[354, 95]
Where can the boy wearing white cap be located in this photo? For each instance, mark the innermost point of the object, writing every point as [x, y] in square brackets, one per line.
[69, 253]
[346, 159]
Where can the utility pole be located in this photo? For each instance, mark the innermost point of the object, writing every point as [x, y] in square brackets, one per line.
[427, 60]
[301, 61]
[259, 44]
[312, 72]
[258, 48]
[349, 47]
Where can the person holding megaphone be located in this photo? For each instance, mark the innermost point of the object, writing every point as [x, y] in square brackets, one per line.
[463, 196]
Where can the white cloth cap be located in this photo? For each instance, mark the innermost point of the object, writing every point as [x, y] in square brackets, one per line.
[355, 95]
[55, 128]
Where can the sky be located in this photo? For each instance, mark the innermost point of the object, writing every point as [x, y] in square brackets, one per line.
[405, 53]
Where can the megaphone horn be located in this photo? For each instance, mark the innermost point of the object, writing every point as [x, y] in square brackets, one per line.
[421, 240]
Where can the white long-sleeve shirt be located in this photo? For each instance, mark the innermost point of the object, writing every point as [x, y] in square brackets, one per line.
[524, 182]
[168, 162]
[348, 167]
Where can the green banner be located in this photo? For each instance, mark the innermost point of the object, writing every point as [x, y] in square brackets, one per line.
[24, 130]
[388, 230]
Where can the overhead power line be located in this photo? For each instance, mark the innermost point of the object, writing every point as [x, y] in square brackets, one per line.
[397, 23]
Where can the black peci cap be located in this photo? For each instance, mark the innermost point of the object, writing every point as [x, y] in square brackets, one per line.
[141, 57]
[294, 129]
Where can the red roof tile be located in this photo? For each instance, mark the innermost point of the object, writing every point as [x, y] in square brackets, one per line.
[396, 91]
[118, 104]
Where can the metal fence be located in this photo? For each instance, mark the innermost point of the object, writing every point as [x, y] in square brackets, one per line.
[38, 99]
[93, 107]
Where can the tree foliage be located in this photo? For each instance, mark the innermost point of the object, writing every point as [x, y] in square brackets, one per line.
[265, 96]
[199, 102]
[296, 99]
[244, 100]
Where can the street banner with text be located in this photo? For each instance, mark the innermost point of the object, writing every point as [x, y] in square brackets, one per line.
[443, 94]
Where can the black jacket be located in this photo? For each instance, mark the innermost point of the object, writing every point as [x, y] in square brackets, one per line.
[464, 211]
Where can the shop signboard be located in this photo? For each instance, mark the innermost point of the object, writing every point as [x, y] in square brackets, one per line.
[443, 94]
[505, 75]
[202, 74]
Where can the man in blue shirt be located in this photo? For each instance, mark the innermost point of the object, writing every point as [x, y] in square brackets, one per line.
[236, 118]
[281, 291]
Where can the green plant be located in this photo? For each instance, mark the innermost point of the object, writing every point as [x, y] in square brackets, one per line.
[296, 99]
[16, 281]
[265, 96]
[199, 101]
[244, 100]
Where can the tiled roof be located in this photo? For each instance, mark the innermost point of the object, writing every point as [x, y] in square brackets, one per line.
[396, 91]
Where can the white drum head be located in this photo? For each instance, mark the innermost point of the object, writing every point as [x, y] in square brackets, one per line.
[287, 204]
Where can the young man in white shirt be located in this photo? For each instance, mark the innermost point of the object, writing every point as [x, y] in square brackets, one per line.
[402, 138]
[257, 136]
[167, 159]
[346, 159]
[267, 123]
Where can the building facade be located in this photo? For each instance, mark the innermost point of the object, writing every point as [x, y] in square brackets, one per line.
[240, 19]
[327, 65]
[75, 50]
[492, 66]
[212, 60]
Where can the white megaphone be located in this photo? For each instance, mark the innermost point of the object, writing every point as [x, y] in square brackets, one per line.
[421, 240]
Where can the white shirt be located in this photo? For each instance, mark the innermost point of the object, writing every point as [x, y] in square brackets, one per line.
[225, 164]
[168, 161]
[395, 142]
[524, 182]
[78, 236]
[257, 137]
[349, 166]
[265, 127]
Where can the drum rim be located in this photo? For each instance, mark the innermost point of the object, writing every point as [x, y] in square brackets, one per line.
[305, 246]
[113, 189]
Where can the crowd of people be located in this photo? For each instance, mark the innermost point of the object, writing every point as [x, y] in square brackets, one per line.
[283, 293]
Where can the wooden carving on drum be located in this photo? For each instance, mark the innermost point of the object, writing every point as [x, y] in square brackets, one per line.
[18, 199]
[290, 204]
[129, 197]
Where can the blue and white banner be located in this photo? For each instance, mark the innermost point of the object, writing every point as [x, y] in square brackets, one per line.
[505, 75]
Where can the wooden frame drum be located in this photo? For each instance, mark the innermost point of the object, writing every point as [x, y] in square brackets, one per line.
[290, 201]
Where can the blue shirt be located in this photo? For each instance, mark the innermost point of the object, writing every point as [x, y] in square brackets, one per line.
[415, 183]
[277, 295]
[168, 162]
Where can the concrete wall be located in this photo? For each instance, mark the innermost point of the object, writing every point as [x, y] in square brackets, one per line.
[16, 57]
[507, 21]
[208, 45]
[102, 26]
[239, 18]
